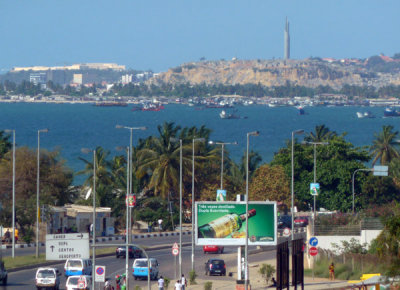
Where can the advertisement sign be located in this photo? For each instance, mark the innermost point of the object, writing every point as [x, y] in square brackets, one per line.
[224, 223]
[221, 195]
[314, 188]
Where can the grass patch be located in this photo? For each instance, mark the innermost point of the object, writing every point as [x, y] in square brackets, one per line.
[27, 260]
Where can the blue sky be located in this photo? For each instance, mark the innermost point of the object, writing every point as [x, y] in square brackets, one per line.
[160, 34]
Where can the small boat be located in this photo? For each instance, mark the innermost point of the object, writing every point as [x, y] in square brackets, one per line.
[153, 107]
[225, 115]
[367, 114]
[390, 112]
[301, 110]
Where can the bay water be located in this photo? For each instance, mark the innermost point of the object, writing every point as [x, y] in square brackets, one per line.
[76, 126]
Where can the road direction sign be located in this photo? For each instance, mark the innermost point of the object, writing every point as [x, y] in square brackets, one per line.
[67, 246]
[313, 241]
[380, 170]
[313, 251]
[175, 249]
[286, 232]
[100, 274]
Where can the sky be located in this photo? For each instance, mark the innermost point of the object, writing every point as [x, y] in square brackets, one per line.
[161, 34]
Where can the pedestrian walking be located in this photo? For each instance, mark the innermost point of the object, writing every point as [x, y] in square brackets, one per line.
[161, 283]
[178, 285]
[332, 271]
[183, 282]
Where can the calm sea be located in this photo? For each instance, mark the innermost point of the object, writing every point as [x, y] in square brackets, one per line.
[75, 126]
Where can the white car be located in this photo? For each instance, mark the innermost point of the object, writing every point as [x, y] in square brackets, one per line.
[48, 278]
[79, 282]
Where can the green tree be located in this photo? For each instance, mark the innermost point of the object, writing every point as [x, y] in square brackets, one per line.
[321, 134]
[383, 148]
[378, 190]
[55, 181]
[5, 144]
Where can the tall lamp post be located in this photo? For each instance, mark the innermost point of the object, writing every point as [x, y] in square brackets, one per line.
[297, 132]
[130, 166]
[13, 194]
[315, 171]
[222, 156]
[246, 250]
[37, 190]
[172, 139]
[87, 150]
[194, 140]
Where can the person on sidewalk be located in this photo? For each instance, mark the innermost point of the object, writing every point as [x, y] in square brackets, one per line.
[161, 283]
[332, 271]
[178, 285]
[183, 282]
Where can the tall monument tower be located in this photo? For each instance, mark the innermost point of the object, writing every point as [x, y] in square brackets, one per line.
[286, 37]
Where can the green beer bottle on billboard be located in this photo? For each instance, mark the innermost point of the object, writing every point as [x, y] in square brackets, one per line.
[224, 226]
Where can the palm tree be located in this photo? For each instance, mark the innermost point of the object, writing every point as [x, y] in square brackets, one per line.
[103, 175]
[321, 134]
[383, 146]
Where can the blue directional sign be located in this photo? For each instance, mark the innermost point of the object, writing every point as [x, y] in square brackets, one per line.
[313, 242]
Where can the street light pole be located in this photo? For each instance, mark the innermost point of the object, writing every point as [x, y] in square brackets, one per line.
[194, 140]
[13, 195]
[180, 206]
[222, 156]
[246, 271]
[127, 222]
[37, 190]
[301, 131]
[130, 165]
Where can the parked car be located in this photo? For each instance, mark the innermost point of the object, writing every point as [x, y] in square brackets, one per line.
[47, 278]
[213, 249]
[284, 221]
[134, 252]
[301, 221]
[215, 267]
[140, 270]
[78, 282]
[3, 273]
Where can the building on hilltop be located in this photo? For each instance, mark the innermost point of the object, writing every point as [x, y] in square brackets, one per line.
[286, 36]
[82, 66]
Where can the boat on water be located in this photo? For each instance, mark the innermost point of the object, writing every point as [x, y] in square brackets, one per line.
[301, 110]
[367, 114]
[153, 107]
[226, 115]
[390, 112]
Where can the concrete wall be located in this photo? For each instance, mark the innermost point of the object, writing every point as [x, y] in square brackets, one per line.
[325, 242]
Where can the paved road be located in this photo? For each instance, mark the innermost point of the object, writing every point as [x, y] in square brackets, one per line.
[25, 279]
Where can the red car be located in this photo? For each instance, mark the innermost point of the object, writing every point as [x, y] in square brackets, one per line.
[301, 221]
[213, 249]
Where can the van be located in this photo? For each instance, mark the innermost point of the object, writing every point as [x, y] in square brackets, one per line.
[139, 269]
[78, 267]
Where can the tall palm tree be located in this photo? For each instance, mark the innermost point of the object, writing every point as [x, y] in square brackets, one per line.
[103, 174]
[321, 134]
[383, 146]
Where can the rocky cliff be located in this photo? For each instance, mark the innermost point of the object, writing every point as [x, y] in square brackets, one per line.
[308, 72]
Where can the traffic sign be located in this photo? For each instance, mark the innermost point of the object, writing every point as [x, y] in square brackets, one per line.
[380, 170]
[313, 241]
[130, 200]
[175, 249]
[65, 246]
[81, 282]
[313, 251]
[286, 232]
[100, 274]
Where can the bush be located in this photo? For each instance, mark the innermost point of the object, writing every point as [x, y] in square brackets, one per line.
[208, 285]
[28, 236]
[266, 271]
[138, 287]
[166, 282]
[192, 277]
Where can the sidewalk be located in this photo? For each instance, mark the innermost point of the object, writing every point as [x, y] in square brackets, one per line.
[257, 282]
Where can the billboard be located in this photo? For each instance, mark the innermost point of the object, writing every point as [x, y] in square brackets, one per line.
[224, 223]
